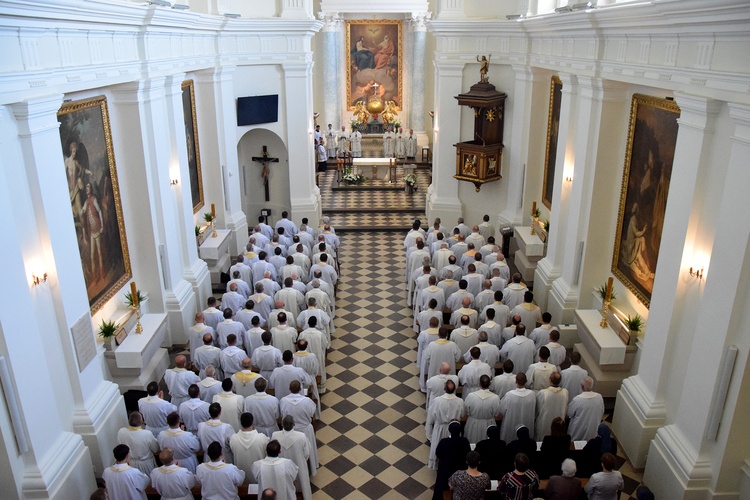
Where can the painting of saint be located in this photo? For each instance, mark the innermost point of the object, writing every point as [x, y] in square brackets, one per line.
[193, 149]
[553, 128]
[94, 198]
[374, 61]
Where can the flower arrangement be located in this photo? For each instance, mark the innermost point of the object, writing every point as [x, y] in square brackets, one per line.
[353, 178]
[356, 124]
[410, 179]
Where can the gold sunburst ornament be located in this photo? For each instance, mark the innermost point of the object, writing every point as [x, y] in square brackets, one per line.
[490, 115]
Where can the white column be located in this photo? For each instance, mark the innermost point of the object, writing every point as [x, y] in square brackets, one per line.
[34, 336]
[416, 65]
[442, 195]
[681, 458]
[334, 69]
[549, 268]
[296, 9]
[641, 408]
[450, 9]
[305, 195]
[215, 107]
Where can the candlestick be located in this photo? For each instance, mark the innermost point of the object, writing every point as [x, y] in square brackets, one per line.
[608, 297]
[134, 294]
[533, 208]
[213, 210]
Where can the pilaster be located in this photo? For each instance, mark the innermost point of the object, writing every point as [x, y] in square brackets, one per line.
[416, 73]
[334, 68]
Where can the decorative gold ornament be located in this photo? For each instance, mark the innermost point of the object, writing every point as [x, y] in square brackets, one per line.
[490, 115]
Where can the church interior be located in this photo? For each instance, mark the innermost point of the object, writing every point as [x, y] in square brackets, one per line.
[606, 141]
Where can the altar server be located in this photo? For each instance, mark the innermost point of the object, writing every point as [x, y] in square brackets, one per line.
[123, 481]
[170, 480]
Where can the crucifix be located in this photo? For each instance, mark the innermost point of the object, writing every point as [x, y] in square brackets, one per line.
[265, 160]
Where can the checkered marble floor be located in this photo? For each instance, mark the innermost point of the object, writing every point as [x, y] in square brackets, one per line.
[358, 221]
[373, 200]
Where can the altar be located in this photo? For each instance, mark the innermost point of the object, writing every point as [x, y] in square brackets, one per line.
[375, 168]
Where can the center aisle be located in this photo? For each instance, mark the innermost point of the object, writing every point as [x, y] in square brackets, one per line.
[371, 437]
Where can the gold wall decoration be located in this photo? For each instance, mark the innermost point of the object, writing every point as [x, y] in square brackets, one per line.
[193, 149]
[553, 127]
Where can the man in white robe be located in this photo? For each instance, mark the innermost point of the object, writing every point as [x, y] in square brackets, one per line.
[141, 443]
[246, 315]
[486, 297]
[518, 408]
[329, 273]
[309, 362]
[276, 473]
[302, 409]
[194, 410]
[416, 259]
[455, 269]
[242, 287]
[207, 354]
[243, 382]
[473, 280]
[172, 481]
[456, 299]
[538, 373]
[343, 142]
[475, 237]
[196, 333]
[293, 299]
[505, 382]
[317, 343]
[254, 337]
[270, 285]
[501, 264]
[493, 330]
[459, 248]
[529, 312]
[124, 481]
[285, 222]
[498, 282]
[295, 447]
[465, 336]
[585, 411]
[471, 372]
[440, 257]
[321, 297]
[290, 268]
[510, 331]
[514, 293]
[425, 338]
[411, 237]
[488, 353]
[432, 291]
[439, 351]
[273, 317]
[572, 377]
[219, 479]
[551, 403]
[263, 302]
[356, 144]
[519, 349]
[266, 357]
[264, 407]
[557, 352]
[400, 144]
[232, 299]
[443, 410]
[155, 409]
[184, 444]
[486, 228]
[540, 334]
[482, 406]
[283, 336]
[248, 446]
[246, 272]
[212, 315]
[465, 311]
[231, 357]
[389, 143]
[436, 385]
[282, 376]
[423, 318]
[209, 386]
[215, 430]
[178, 379]
[231, 405]
[462, 228]
[411, 145]
[330, 137]
[230, 326]
[502, 312]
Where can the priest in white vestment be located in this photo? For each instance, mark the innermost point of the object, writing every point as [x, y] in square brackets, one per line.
[540, 334]
[464, 311]
[172, 481]
[502, 265]
[456, 299]
[265, 409]
[502, 312]
[309, 362]
[248, 446]
[254, 337]
[218, 478]
[436, 385]
[232, 299]
[215, 430]
[538, 373]
[302, 409]
[322, 320]
[178, 379]
[196, 333]
[465, 336]
[263, 303]
[411, 145]
[246, 315]
[228, 327]
[443, 410]
[551, 403]
[155, 409]
[425, 338]
[295, 447]
[486, 228]
[493, 330]
[475, 237]
[356, 144]
[557, 352]
[184, 444]
[231, 404]
[243, 382]
[266, 357]
[276, 473]
[141, 443]
[471, 372]
[505, 382]
[209, 386]
[519, 349]
[231, 356]
[529, 312]
[425, 316]
[317, 344]
[486, 297]
[514, 293]
[242, 287]
[282, 376]
[207, 354]
[585, 411]
[439, 351]
[194, 410]
[482, 406]
[293, 299]
[572, 377]
[518, 408]
[273, 317]
[321, 297]
[488, 353]
[213, 316]
[123, 480]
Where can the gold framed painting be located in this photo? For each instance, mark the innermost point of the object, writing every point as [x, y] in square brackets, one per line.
[193, 149]
[90, 169]
[373, 61]
[553, 128]
[652, 137]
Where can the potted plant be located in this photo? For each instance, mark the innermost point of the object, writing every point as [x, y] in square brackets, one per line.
[353, 178]
[108, 331]
[602, 292]
[208, 217]
[411, 182]
[635, 325]
[129, 298]
[546, 226]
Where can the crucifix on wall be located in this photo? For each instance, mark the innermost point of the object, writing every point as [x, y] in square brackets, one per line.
[265, 160]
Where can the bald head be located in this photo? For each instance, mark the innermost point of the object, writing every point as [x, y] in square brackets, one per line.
[180, 361]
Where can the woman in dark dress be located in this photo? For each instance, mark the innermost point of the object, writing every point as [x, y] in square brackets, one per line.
[591, 454]
[555, 449]
[469, 484]
[491, 452]
[451, 454]
[523, 444]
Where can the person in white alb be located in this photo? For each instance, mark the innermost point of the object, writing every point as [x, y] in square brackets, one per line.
[243, 382]
[231, 356]
[551, 403]
[218, 480]
[572, 377]
[295, 447]
[585, 411]
[209, 385]
[266, 357]
[488, 353]
[194, 410]
[264, 407]
[317, 342]
[505, 382]
[283, 336]
[211, 314]
[443, 410]
[514, 292]
[518, 408]
[425, 338]
[519, 349]
[231, 404]
[248, 446]
[436, 385]
[215, 430]
[232, 300]
[493, 330]
[184, 445]
[557, 353]
[178, 379]
[207, 354]
[529, 312]
[540, 334]
[482, 406]
[486, 228]
[155, 409]
[123, 481]
[197, 332]
[141, 443]
[302, 409]
[170, 480]
[284, 374]
[356, 144]
[439, 351]
[230, 326]
[471, 372]
[276, 473]
[242, 287]
[538, 373]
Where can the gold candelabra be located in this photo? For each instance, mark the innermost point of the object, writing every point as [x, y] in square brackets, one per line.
[138, 326]
[605, 311]
[213, 228]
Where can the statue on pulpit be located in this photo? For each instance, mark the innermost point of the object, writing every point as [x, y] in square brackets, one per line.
[484, 67]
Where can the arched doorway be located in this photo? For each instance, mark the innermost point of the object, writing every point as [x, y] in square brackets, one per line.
[252, 188]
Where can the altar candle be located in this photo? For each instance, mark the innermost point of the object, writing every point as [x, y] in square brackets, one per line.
[609, 289]
[134, 293]
[533, 208]
[213, 210]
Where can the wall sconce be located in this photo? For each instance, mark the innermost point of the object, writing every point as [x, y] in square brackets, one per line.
[38, 280]
[568, 178]
[697, 273]
[174, 182]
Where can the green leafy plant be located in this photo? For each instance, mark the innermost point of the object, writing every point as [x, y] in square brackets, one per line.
[602, 291]
[546, 226]
[634, 323]
[536, 213]
[108, 329]
[208, 217]
[197, 230]
[129, 298]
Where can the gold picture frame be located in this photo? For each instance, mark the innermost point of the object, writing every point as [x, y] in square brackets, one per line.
[553, 128]
[193, 147]
[91, 172]
[371, 47]
[652, 137]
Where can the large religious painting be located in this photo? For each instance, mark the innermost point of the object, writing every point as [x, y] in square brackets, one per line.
[191, 137]
[553, 127]
[652, 136]
[94, 197]
[374, 61]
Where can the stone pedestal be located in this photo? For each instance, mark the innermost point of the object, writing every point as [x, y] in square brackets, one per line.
[140, 358]
[215, 251]
[528, 250]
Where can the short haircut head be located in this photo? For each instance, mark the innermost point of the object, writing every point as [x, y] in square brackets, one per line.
[287, 423]
[521, 379]
[231, 339]
[484, 382]
[273, 448]
[475, 352]
[226, 384]
[554, 336]
[608, 461]
[214, 451]
[260, 384]
[472, 459]
[228, 313]
[521, 329]
[575, 357]
[246, 420]
[569, 467]
[544, 352]
[266, 337]
[194, 391]
[287, 356]
[498, 296]
[450, 387]
[152, 388]
[546, 317]
[121, 452]
[508, 366]
[135, 419]
[521, 462]
[173, 419]
[214, 410]
[528, 297]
